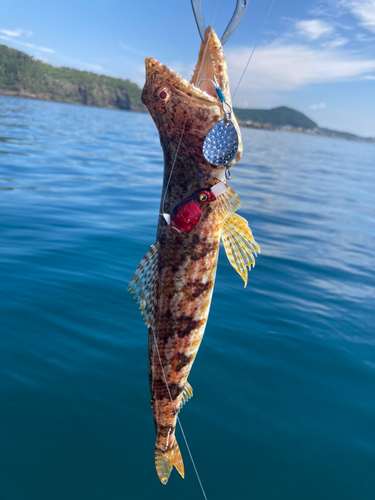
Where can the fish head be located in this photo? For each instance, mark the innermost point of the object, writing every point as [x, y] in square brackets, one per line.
[185, 112]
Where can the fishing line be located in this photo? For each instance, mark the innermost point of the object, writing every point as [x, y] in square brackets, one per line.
[153, 331]
[163, 206]
[173, 164]
[235, 92]
[255, 46]
[183, 128]
[205, 50]
[176, 413]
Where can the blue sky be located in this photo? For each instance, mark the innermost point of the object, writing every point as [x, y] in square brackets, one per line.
[316, 56]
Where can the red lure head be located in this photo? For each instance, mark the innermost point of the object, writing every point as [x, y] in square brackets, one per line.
[186, 214]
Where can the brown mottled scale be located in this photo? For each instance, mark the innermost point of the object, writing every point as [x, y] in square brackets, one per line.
[175, 280]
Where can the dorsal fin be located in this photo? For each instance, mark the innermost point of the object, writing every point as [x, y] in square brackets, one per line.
[239, 244]
[143, 284]
[186, 395]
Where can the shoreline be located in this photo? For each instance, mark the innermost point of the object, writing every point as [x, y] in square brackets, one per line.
[137, 109]
[47, 98]
[317, 132]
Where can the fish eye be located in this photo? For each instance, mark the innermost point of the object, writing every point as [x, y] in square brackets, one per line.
[203, 197]
[163, 94]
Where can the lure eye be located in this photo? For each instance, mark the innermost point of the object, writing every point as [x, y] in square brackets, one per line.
[163, 94]
[203, 197]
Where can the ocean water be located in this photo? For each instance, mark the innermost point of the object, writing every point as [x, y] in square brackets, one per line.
[284, 382]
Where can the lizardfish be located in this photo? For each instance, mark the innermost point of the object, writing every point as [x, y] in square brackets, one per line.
[174, 281]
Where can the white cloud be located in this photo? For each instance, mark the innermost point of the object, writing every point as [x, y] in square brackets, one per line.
[322, 105]
[11, 33]
[368, 77]
[336, 42]
[96, 68]
[131, 49]
[364, 10]
[279, 67]
[363, 38]
[313, 29]
[28, 45]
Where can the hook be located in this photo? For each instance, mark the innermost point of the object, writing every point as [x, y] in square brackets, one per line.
[233, 23]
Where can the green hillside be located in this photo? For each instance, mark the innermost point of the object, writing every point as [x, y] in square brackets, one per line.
[25, 76]
[276, 117]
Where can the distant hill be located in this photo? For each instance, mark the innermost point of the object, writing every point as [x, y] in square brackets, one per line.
[336, 133]
[24, 76]
[276, 117]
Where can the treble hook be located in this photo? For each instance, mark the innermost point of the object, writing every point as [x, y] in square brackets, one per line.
[233, 23]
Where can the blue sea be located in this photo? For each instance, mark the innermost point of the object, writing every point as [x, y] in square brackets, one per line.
[284, 382]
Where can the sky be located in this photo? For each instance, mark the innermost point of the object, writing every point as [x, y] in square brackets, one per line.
[314, 56]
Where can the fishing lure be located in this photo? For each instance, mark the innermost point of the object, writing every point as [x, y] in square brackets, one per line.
[187, 213]
[221, 144]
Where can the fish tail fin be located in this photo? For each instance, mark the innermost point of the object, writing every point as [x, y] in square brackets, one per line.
[165, 460]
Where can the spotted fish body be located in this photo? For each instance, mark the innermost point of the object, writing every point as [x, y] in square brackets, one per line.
[174, 281]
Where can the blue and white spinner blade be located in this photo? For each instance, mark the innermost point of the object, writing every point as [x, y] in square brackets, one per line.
[221, 144]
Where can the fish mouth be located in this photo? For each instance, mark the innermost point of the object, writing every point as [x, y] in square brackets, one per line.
[211, 64]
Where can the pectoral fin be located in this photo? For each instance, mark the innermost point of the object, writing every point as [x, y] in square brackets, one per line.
[239, 244]
[227, 203]
[143, 284]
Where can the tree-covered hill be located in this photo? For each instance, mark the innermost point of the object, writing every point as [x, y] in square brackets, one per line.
[25, 76]
[276, 117]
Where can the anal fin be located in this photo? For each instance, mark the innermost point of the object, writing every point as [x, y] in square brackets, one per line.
[239, 244]
[186, 395]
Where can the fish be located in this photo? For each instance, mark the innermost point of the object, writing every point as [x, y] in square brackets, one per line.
[174, 281]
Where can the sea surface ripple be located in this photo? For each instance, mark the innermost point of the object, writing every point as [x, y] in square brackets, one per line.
[284, 382]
